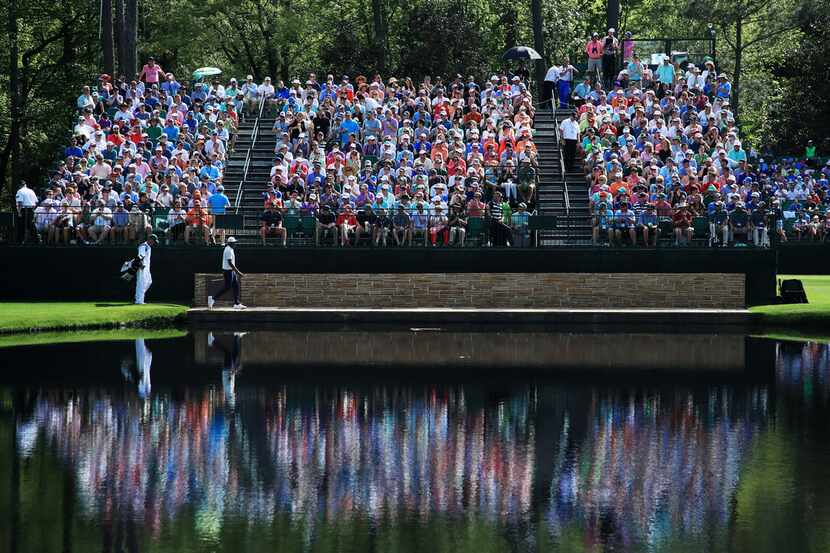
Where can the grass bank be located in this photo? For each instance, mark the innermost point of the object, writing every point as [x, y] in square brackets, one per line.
[77, 336]
[41, 316]
[814, 314]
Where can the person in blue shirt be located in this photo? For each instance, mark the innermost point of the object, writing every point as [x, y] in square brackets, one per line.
[347, 127]
[210, 171]
[649, 226]
[724, 87]
[581, 92]
[171, 130]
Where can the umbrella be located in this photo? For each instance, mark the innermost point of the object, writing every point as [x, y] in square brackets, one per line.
[206, 72]
[521, 53]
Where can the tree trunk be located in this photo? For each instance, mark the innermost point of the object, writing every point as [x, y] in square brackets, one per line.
[131, 41]
[736, 78]
[613, 14]
[106, 37]
[121, 39]
[14, 98]
[538, 43]
[379, 31]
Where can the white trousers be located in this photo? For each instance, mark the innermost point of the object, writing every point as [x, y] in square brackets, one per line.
[143, 281]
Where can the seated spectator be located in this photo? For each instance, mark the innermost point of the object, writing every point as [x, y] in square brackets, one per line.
[101, 225]
[271, 225]
[457, 224]
[382, 228]
[682, 223]
[346, 224]
[402, 227]
[649, 226]
[198, 221]
[625, 223]
[325, 225]
[739, 223]
[176, 222]
[438, 226]
[718, 225]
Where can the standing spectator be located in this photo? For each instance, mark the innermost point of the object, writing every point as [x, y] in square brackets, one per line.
[564, 84]
[218, 204]
[519, 226]
[666, 72]
[231, 275]
[151, 72]
[610, 49]
[628, 47]
[26, 202]
[569, 128]
[550, 83]
[143, 278]
[594, 50]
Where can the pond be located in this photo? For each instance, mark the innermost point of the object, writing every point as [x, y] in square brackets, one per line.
[378, 439]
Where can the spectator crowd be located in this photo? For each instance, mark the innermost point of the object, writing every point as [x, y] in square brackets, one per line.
[390, 162]
[385, 161]
[662, 156]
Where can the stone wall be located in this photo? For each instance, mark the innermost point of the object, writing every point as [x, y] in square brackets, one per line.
[485, 290]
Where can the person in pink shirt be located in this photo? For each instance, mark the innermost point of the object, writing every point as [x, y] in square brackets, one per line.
[151, 72]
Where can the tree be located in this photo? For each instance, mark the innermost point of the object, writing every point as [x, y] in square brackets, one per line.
[745, 26]
[107, 45]
[802, 109]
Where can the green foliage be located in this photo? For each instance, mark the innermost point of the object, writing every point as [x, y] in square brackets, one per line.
[783, 72]
[801, 109]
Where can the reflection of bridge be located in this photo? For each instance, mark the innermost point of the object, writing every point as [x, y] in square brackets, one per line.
[531, 351]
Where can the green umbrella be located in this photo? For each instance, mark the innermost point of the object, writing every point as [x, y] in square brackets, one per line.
[203, 72]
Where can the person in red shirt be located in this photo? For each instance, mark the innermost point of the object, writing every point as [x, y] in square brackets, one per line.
[682, 222]
[347, 223]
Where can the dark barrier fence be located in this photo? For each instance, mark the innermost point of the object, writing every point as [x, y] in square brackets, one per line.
[38, 273]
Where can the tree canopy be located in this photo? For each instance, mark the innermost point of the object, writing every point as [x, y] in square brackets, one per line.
[767, 46]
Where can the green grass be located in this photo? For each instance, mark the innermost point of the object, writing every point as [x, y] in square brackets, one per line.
[816, 313]
[38, 316]
[74, 336]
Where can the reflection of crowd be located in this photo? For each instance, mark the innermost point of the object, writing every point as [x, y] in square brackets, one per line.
[648, 470]
[386, 453]
[803, 368]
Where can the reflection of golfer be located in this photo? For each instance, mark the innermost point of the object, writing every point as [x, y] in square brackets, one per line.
[232, 276]
[232, 364]
[143, 360]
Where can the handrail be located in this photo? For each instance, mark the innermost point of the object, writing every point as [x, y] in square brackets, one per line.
[561, 158]
[565, 191]
[247, 165]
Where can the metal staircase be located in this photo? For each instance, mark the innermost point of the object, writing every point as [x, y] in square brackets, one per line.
[561, 193]
[248, 171]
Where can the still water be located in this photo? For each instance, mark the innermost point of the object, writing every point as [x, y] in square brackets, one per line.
[416, 440]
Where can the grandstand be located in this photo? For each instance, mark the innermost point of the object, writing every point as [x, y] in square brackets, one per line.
[484, 161]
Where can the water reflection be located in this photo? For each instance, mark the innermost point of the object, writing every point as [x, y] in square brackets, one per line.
[516, 466]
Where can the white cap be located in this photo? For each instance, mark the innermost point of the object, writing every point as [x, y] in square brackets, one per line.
[231, 240]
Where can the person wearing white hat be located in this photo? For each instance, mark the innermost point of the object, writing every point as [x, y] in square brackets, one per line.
[232, 276]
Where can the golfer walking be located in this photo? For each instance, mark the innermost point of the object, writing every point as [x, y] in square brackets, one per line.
[231, 274]
[143, 278]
